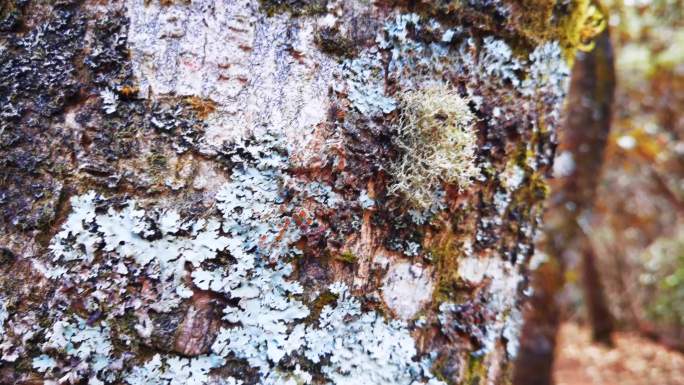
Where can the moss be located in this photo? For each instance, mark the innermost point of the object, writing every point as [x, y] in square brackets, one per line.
[446, 268]
[445, 258]
[332, 42]
[476, 372]
[347, 257]
[23, 365]
[523, 153]
[157, 165]
[535, 189]
[294, 7]
[573, 23]
[525, 24]
[586, 21]
[444, 291]
[126, 132]
[157, 161]
[539, 189]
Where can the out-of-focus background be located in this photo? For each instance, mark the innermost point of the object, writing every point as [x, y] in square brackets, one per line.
[635, 228]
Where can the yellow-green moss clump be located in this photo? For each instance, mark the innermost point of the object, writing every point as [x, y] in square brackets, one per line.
[347, 257]
[529, 23]
[572, 23]
[437, 136]
[445, 253]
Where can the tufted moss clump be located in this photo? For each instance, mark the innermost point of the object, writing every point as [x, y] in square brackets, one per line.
[437, 138]
[573, 23]
[525, 24]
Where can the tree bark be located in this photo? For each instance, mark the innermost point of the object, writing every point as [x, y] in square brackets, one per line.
[273, 192]
[583, 139]
[587, 129]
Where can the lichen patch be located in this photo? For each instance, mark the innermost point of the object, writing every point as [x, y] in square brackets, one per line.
[437, 137]
[406, 289]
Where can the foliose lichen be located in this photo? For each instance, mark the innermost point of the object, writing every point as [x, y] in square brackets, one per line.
[173, 370]
[265, 317]
[366, 85]
[274, 257]
[86, 349]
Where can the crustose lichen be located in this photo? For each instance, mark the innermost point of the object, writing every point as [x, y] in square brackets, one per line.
[437, 138]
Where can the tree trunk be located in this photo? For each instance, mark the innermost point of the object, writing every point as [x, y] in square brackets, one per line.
[585, 134]
[270, 192]
[583, 140]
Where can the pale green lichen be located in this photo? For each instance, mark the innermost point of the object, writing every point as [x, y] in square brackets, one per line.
[173, 370]
[266, 319]
[158, 242]
[437, 137]
[365, 83]
[105, 244]
[4, 315]
[268, 322]
[547, 71]
[362, 348]
[88, 349]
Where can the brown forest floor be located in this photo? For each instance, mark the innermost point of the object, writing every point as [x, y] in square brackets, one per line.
[634, 361]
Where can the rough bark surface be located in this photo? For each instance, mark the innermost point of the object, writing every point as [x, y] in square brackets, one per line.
[234, 192]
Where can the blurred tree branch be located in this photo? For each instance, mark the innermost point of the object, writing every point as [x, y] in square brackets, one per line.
[583, 140]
